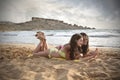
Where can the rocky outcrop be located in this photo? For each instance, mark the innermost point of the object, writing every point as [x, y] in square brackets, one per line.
[40, 24]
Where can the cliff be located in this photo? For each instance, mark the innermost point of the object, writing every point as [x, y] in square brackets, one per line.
[39, 24]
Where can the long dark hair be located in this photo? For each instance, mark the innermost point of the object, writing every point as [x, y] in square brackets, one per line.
[85, 48]
[73, 45]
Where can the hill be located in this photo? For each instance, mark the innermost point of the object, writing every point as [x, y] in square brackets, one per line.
[39, 24]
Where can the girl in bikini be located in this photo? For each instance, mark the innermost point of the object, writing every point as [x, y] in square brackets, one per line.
[68, 51]
[85, 47]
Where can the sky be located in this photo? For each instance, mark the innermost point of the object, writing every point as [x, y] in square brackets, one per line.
[101, 14]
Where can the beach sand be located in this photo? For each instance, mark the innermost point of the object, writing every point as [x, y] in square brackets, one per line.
[16, 64]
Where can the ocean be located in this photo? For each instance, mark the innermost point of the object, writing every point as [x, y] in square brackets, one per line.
[97, 37]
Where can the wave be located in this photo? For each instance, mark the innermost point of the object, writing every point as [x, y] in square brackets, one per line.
[90, 35]
[105, 46]
[104, 36]
[8, 34]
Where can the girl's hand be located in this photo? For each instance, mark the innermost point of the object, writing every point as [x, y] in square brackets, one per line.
[81, 55]
[78, 55]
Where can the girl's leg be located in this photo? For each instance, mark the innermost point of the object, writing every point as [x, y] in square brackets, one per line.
[45, 47]
[55, 55]
[42, 53]
[37, 49]
[47, 53]
[42, 46]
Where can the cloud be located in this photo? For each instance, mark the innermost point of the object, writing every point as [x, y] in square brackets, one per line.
[93, 13]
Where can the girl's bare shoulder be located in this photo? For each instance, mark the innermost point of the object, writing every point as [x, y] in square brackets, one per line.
[67, 46]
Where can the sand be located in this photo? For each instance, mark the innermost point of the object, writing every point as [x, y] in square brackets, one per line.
[15, 64]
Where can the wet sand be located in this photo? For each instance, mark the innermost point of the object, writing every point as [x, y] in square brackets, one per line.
[16, 64]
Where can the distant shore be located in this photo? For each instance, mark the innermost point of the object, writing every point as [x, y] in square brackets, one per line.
[40, 24]
[15, 63]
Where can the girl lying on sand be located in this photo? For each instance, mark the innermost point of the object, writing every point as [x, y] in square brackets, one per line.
[85, 52]
[85, 47]
[70, 51]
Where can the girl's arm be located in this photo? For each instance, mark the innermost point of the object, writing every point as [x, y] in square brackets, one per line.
[66, 49]
[78, 55]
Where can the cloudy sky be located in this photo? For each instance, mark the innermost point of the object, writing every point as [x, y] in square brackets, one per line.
[92, 13]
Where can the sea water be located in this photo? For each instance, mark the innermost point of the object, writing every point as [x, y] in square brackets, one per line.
[97, 37]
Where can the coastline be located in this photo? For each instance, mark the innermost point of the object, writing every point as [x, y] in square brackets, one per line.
[15, 64]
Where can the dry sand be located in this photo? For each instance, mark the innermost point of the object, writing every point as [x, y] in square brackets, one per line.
[16, 65]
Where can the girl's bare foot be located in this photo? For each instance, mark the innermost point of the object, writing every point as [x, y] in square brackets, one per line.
[40, 35]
